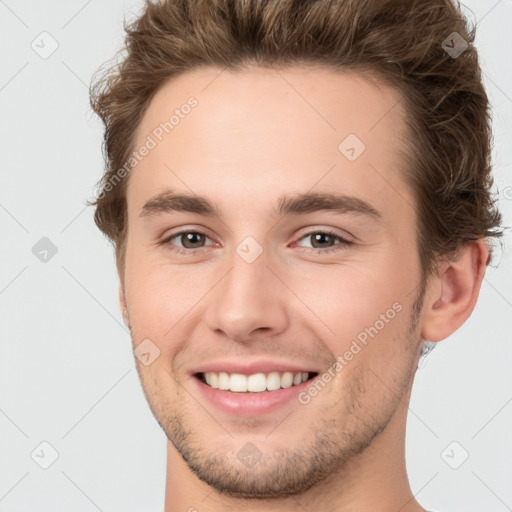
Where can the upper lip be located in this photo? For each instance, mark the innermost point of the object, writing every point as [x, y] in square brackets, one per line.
[250, 367]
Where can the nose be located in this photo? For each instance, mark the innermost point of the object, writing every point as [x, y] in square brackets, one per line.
[248, 300]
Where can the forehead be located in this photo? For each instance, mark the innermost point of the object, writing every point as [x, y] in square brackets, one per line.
[243, 135]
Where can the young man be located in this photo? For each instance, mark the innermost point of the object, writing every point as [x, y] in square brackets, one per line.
[299, 198]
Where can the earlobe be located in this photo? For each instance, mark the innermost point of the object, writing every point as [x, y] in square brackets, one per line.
[452, 299]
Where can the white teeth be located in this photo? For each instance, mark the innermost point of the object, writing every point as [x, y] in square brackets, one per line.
[255, 383]
[287, 380]
[273, 381]
[237, 382]
[223, 381]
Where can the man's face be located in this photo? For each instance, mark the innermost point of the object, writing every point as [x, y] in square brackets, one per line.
[251, 285]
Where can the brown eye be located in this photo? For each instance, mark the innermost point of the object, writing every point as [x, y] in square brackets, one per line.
[186, 242]
[325, 241]
[191, 239]
[322, 239]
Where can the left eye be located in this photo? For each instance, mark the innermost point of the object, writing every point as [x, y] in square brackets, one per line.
[319, 237]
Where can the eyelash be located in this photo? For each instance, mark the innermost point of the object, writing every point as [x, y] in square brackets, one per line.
[346, 243]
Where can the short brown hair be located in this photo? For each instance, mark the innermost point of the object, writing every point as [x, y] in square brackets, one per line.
[401, 43]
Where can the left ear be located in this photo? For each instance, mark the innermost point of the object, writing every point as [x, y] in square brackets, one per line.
[453, 294]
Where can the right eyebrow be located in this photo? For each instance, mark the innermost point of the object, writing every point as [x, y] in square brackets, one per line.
[169, 201]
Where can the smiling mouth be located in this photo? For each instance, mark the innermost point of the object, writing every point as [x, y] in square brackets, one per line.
[255, 383]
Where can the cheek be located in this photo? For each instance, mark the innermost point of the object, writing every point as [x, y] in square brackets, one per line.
[162, 300]
[348, 299]
[363, 317]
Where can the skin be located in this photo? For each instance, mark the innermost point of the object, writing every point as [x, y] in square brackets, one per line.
[255, 135]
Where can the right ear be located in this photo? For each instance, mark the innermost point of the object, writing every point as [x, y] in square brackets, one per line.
[123, 306]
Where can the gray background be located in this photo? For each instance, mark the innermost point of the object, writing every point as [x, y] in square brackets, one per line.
[67, 373]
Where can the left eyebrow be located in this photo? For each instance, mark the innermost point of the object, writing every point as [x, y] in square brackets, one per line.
[170, 201]
[336, 203]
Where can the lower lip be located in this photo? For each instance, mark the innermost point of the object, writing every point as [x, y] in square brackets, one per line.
[250, 404]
